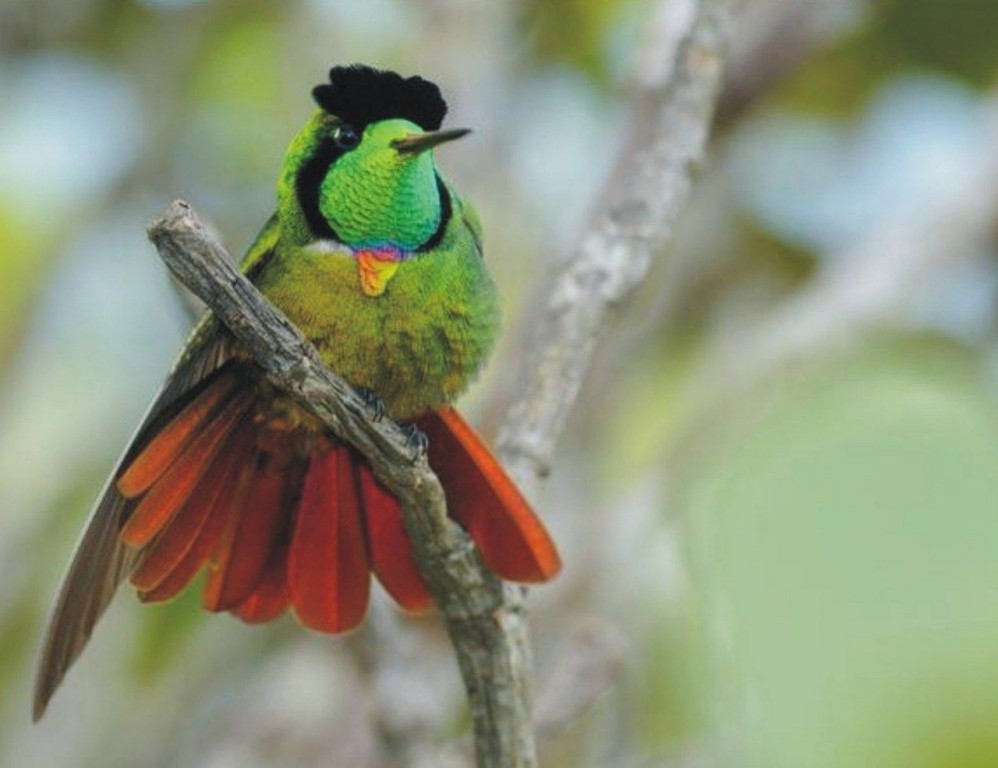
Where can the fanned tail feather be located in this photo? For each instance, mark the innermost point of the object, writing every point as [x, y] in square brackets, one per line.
[184, 531]
[168, 493]
[270, 599]
[480, 496]
[328, 566]
[277, 521]
[258, 517]
[392, 559]
[165, 447]
[203, 536]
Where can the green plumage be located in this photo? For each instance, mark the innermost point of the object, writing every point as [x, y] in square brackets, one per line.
[376, 259]
[418, 344]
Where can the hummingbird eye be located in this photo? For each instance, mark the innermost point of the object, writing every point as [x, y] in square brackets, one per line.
[345, 136]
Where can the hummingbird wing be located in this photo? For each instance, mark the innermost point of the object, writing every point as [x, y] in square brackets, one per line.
[281, 522]
[469, 218]
[101, 560]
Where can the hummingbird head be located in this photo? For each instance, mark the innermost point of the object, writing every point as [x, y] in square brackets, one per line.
[361, 171]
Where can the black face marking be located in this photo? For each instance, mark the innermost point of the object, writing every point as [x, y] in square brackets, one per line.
[446, 211]
[361, 95]
[308, 184]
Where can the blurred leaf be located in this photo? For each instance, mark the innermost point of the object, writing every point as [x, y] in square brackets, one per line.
[165, 629]
[849, 540]
[18, 628]
[958, 38]
[643, 421]
[767, 253]
[23, 274]
[668, 695]
[244, 68]
[839, 80]
[574, 32]
[238, 129]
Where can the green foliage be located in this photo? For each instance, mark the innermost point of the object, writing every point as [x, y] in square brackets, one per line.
[237, 93]
[21, 264]
[165, 630]
[669, 696]
[573, 32]
[958, 38]
[839, 81]
[243, 71]
[850, 544]
[639, 434]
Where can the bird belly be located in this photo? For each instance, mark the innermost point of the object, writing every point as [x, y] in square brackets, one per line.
[417, 346]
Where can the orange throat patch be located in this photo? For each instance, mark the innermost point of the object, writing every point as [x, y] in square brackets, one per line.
[375, 268]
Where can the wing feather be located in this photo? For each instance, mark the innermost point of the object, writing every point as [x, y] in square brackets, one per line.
[100, 561]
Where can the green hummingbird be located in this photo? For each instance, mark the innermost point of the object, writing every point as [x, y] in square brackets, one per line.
[378, 261]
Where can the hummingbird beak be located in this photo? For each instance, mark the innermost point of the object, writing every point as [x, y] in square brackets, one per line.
[415, 143]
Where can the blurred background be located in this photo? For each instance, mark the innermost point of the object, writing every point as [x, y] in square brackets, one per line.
[778, 499]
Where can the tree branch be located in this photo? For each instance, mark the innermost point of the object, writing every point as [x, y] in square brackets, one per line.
[641, 207]
[775, 38]
[635, 224]
[467, 593]
[861, 287]
[485, 621]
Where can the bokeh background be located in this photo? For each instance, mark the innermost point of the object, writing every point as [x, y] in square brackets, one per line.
[778, 499]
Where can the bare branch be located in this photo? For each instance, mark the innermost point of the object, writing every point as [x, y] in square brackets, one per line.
[468, 594]
[486, 622]
[775, 39]
[864, 286]
[613, 257]
[642, 204]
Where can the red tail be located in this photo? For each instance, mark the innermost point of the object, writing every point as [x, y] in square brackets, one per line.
[481, 497]
[328, 564]
[222, 488]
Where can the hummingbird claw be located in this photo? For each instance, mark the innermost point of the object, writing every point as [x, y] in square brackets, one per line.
[416, 440]
[374, 403]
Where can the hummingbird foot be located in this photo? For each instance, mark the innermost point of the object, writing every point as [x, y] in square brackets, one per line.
[416, 440]
[374, 404]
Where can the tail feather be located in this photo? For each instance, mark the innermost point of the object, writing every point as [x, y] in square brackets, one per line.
[480, 496]
[388, 544]
[154, 459]
[227, 487]
[257, 517]
[169, 492]
[328, 570]
[270, 599]
[215, 523]
[172, 545]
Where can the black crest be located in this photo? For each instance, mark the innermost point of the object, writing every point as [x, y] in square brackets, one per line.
[361, 95]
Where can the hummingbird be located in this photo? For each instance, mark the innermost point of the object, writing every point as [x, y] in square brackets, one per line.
[378, 260]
